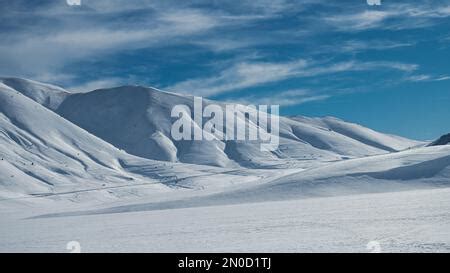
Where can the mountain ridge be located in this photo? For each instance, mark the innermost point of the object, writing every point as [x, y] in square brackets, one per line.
[114, 144]
[137, 119]
[443, 140]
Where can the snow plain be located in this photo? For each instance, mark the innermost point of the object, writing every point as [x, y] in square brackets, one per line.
[408, 221]
[101, 168]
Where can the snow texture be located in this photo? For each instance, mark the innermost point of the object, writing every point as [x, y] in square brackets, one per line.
[107, 155]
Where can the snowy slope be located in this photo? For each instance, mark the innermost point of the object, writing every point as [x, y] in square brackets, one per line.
[107, 157]
[48, 95]
[120, 137]
[137, 119]
[426, 167]
[389, 143]
[418, 169]
[43, 154]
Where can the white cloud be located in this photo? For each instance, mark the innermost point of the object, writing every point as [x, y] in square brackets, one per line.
[358, 21]
[427, 78]
[240, 75]
[443, 78]
[63, 36]
[70, 40]
[352, 46]
[405, 67]
[251, 74]
[284, 98]
[390, 16]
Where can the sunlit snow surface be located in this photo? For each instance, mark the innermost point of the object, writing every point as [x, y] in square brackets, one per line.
[101, 168]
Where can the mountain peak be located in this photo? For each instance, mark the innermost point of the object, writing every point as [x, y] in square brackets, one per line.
[48, 95]
[138, 119]
[19, 84]
[443, 140]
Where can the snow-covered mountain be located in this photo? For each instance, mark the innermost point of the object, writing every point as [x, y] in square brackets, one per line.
[443, 140]
[48, 95]
[43, 153]
[54, 141]
[421, 168]
[107, 157]
[137, 120]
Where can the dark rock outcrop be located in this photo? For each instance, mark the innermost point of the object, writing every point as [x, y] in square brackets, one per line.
[443, 140]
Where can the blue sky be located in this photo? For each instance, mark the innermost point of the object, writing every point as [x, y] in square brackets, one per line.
[386, 67]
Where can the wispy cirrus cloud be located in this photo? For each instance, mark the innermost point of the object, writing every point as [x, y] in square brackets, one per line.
[394, 16]
[72, 42]
[51, 41]
[252, 74]
[62, 35]
[355, 46]
[288, 97]
[240, 75]
[427, 78]
[358, 21]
